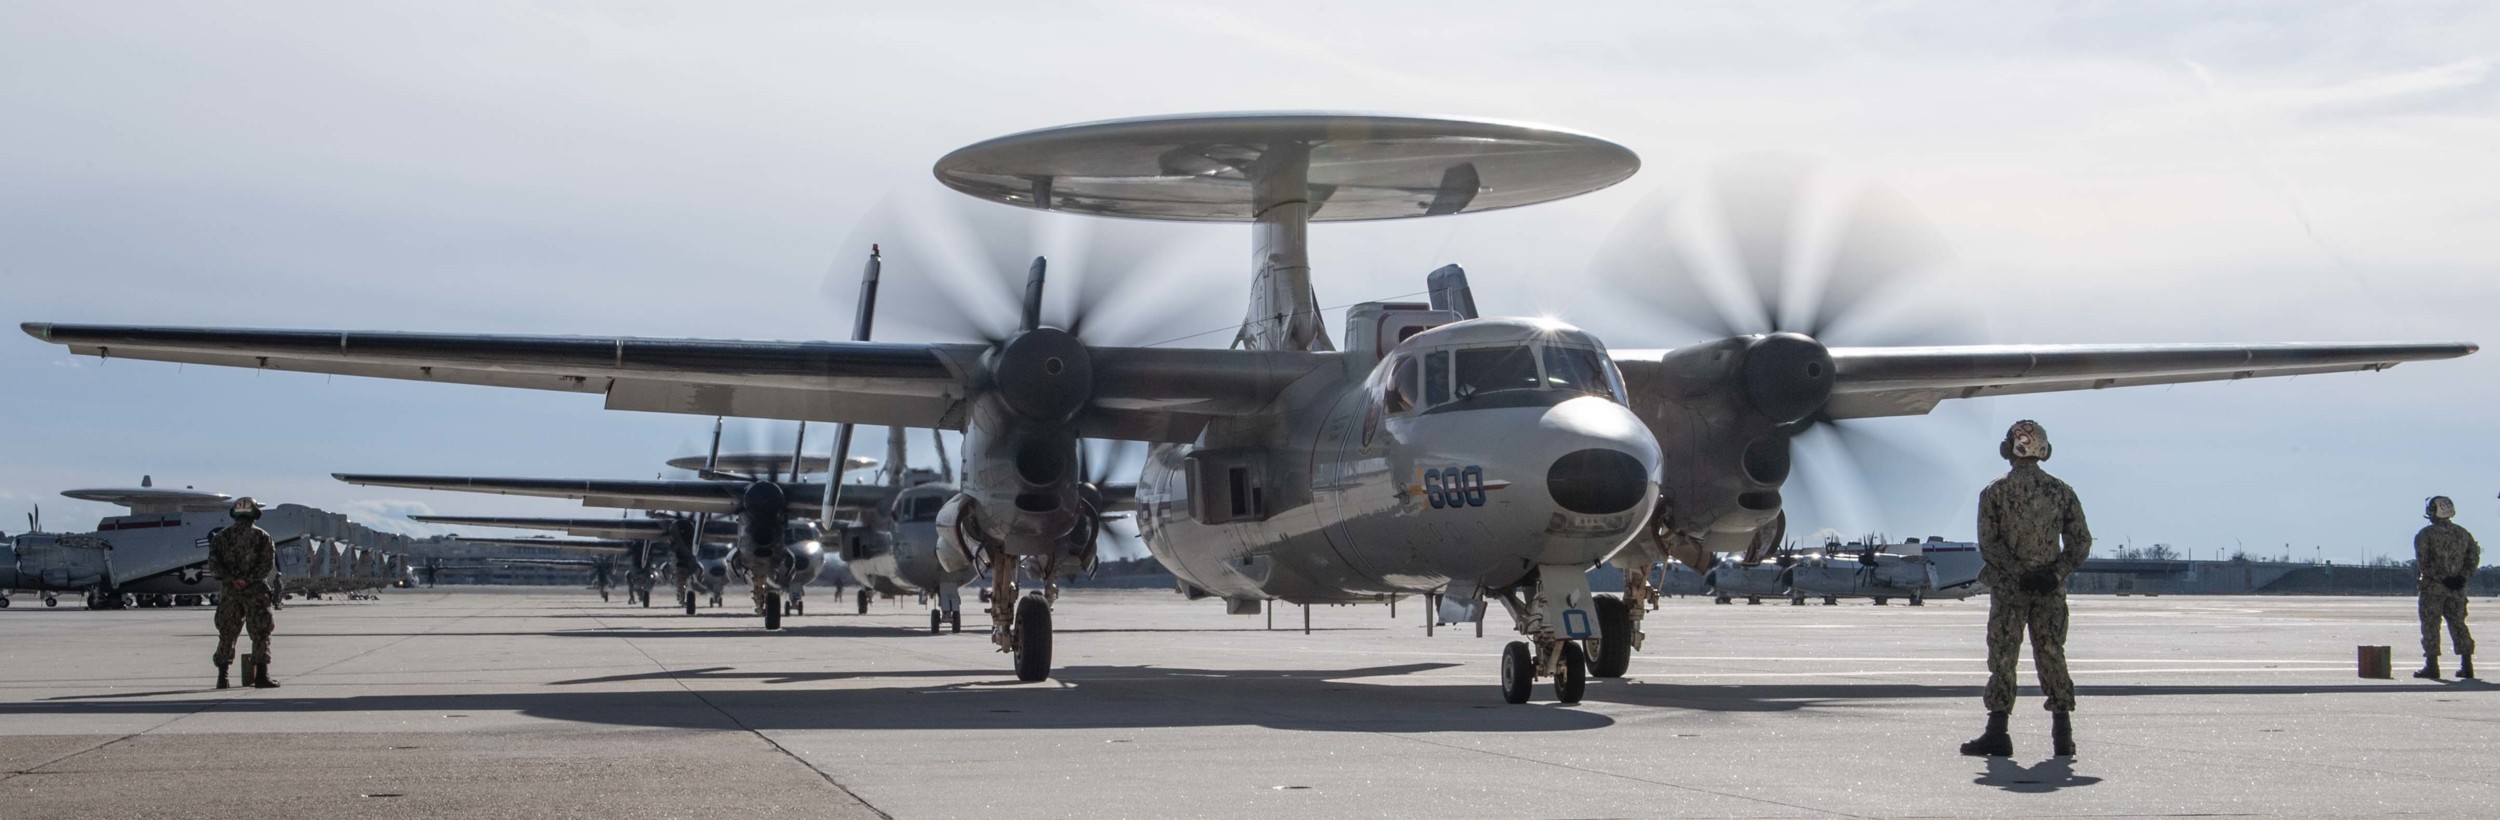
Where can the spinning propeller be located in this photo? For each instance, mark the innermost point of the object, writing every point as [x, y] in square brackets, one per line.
[1780, 256]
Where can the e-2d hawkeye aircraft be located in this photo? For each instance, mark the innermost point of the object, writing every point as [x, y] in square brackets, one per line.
[1438, 453]
[778, 551]
[157, 553]
[695, 567]
[1913, 571]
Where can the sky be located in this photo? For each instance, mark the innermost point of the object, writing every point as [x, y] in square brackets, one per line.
[2102, 173]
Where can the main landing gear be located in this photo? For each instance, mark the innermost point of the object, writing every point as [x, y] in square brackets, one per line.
[948, 613]
[1021, 624]
[1557, 616]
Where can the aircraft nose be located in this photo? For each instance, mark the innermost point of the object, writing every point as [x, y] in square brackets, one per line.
[1597, 481]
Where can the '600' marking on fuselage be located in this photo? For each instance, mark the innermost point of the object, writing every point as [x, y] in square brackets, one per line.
[1452, 487]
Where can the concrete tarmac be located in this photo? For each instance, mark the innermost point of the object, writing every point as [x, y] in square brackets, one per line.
[494, 703]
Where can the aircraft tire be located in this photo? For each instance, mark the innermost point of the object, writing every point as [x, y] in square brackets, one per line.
[689, 602]
[1572, 680]
[1614, 644]
[1518, 672]
[955, 621]
[50, 601]
[4, 602]
[1032, 638]
[864, 596]
[772, 611]
[937, 622]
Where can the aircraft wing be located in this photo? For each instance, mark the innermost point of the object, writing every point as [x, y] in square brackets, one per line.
[592, 545]
[652, 494]
[1907, 381]
[644, 528]
[1141, 393]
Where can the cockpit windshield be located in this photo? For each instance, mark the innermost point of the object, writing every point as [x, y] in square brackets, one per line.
[1493, 370]
[1458, 375]
[1577, 369]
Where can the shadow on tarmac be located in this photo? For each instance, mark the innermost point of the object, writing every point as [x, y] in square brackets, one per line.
[1795, 696]
[1086, 697]
[2040, 778]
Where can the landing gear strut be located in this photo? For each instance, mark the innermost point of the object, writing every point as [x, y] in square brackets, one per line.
[1557, 615]
[1020, 624]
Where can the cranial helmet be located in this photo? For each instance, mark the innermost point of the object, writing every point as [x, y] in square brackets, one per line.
[245, 509]
[2025, 440]
[2439, 508]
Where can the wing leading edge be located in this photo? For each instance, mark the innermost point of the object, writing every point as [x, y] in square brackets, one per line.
[1151, 394]
[656, 494]
[1905, 381]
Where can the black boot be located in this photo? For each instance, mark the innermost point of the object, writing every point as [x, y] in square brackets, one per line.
[2430, 668]
[221, 676]
[260, 676]
[2062, 734]
[1992, 743]
[2465, 667]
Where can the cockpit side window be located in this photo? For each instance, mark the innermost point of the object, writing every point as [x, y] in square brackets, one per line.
[1437, 378]
[1400, 397]
[1492, 370]
[1577, 369]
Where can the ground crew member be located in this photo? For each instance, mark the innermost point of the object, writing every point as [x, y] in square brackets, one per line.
[2023, 517]
[2446, 555]
[243, 556]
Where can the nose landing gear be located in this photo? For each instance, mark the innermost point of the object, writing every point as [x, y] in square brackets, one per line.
[1557, 615]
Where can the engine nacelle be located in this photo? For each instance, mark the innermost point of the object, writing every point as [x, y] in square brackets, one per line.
[955, 547]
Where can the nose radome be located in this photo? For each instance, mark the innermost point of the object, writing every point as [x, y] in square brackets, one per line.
[1597, 481]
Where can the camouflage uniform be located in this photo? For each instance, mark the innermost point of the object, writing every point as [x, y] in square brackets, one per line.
[243, 551]
[2444, 550]
[2022, 517]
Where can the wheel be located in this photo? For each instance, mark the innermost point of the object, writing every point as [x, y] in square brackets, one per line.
[689, 602]
[798, 607]
[1879, 600]
[937, 621]
[1753, 600]
[1032, 638]
[1518, 672]
[863, 600]
[1917, 599]
[1831, 600]
[4, 602]
[1572, 680]
[772, 610]
[1719, 600]
[51, 601]
[955, 621]
[646, 599]
[1613, 654]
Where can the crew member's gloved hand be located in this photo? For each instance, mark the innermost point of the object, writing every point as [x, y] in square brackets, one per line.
[2454, 583]
[2039, 581]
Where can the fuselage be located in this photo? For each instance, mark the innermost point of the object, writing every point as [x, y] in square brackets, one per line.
[1469, 455]
[898, 551]
[1938, 569]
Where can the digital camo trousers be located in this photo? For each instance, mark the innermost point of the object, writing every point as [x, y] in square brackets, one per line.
[2436, 604]
[2043, 617]
[236, 613]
